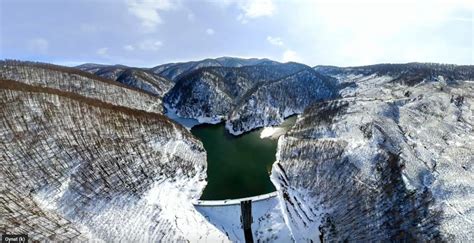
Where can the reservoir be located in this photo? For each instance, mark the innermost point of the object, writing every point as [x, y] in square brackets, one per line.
[238, 166]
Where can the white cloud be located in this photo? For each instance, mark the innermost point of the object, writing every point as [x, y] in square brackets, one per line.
[129, 47]
[145, 45]
[291, 56]
[210, 31]
[149, 45]
[148, 11]
[39, 45]
[276, 41]
[346, 32]
[254, 9]
[191, 17]
[103, 52]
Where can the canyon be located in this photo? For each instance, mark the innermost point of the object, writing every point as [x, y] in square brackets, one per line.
[108, 152]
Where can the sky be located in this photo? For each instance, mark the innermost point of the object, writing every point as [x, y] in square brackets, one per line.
[147, 33]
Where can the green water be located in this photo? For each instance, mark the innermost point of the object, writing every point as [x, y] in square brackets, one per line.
[237, 166]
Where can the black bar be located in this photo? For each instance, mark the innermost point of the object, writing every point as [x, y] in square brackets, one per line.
[246, 210]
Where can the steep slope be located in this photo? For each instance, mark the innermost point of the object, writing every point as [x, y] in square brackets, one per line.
[389, 161]
[146, 81]
[249, 96]
[270, 102]
[174, 70]
[74, 166]
[378, 153]
[200, 96]
[210, 93]
[133, 77]
[83, 83]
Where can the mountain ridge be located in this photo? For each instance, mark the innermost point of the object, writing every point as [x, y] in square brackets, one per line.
[377, 153]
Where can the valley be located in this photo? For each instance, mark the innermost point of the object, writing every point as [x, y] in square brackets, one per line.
[371, 153]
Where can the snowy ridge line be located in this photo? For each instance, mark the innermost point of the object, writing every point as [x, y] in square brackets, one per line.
[234, 201]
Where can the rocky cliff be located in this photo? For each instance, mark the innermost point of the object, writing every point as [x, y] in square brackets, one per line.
[391, 160]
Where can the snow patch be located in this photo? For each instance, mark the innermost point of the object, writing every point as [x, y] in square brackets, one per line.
[172, 114]
[271, 132]
[209, 120]
[268, 224]
[303, 222]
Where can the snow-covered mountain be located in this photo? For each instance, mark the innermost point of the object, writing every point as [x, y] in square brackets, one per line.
[378, 153]
[390, 160]
[134, 77]
[82, 83]
[268, 103]
[80, 160]
[174, 70]
[408, 73]
[249, 96]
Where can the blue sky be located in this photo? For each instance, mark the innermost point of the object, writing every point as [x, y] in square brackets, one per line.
[151, 32]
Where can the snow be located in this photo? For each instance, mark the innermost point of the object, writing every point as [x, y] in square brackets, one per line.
[302, 229]
[233, 201]
[434, 145]
[209, 120]
[271, 132]
[165, 206]
[223, 215]
[188, 123]
[176, 207]
[274, 132]
[267, 218]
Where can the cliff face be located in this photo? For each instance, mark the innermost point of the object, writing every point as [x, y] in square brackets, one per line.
[389, 161]
[76, 166]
